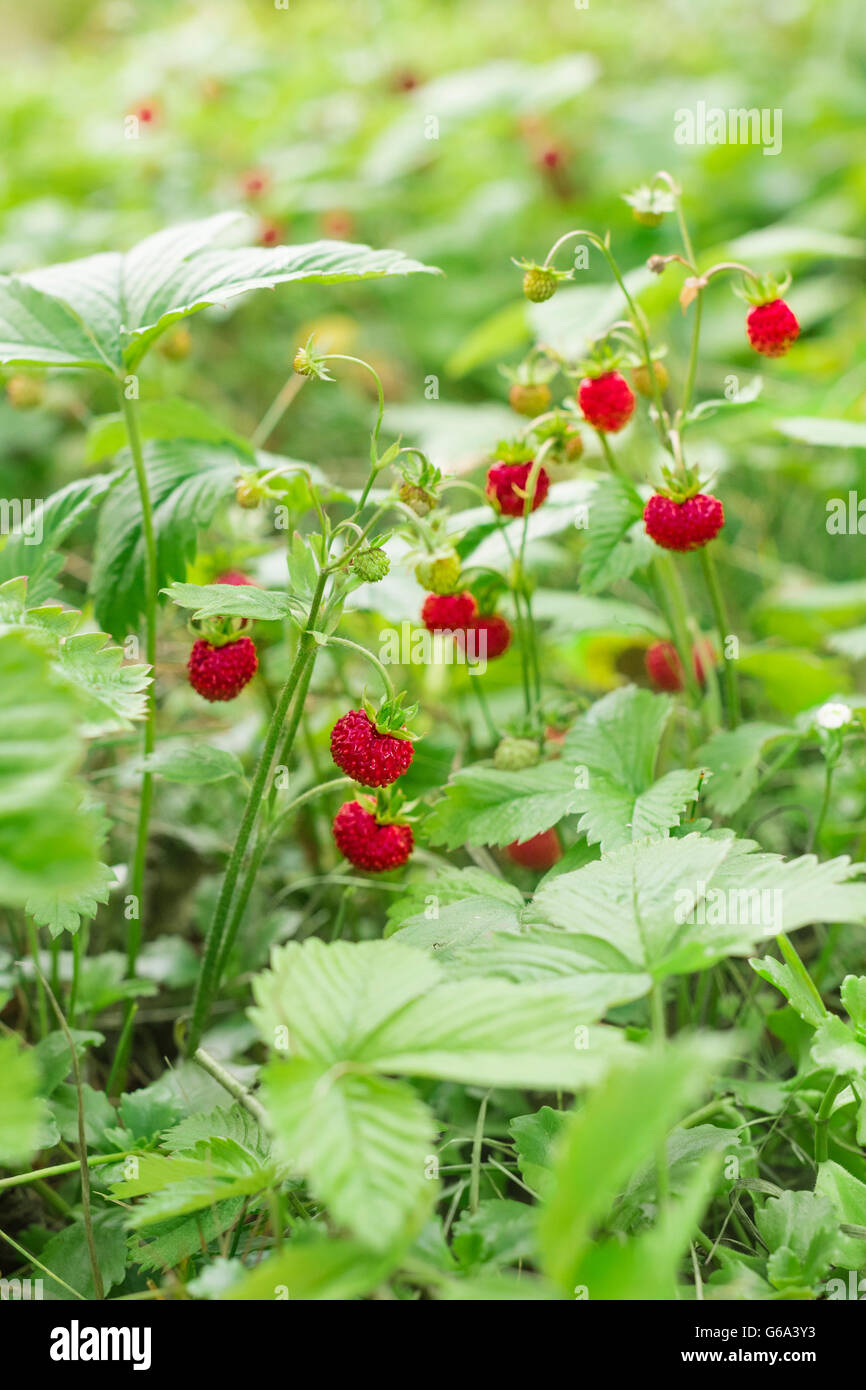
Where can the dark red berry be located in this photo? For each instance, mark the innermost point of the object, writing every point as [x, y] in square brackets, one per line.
[233, 577]
[683, 525]
[374, 759]
[220, 673]
[447, 612]
[607, 401]
[368, 844]
[539, 853]
[503, 482]
[663, 666]
[772, 328]
[491, 636]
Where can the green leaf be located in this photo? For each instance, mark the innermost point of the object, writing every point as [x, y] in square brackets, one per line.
[166, 420]
[777, 973]
[534, 1139]
[801, 1231]
[853, 994]
[611, 552]
[835, 1048]
[361, 1141]
[498, 1233]
[106, 310]
[39, 560]
[678, 905]
[312, 1267]
[612, 751]
[110, 694]
[483, 806]
[231, 601]
[605, 1142]
[187, 482]
[645, 1266]
[67, 1255]
[194, 764]
[64, 912]
[343, 1014]
[837, 434]
[732, 757]
[847, 1196]
[452, 885]
[39, 330]
[48, 843]
[214, 1171]
[21, 1108]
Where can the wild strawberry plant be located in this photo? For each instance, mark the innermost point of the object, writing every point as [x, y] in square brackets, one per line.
[549, 1012]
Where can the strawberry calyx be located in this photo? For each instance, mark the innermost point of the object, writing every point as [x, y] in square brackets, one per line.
[679, 486]
[391, 717]
[762, 289]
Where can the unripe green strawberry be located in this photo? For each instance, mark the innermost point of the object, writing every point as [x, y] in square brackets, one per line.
[529, 398]
[440, 574]
[573, 446]
[539, 284]
[24, 392]
[642, 381]
[175, 346]
[371, 565]
[417, 498]
[247, 493]
[516, 753]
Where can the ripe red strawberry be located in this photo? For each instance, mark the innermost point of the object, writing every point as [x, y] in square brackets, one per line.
[665, 670]
[607, 401]
[362, 752]
[447, 612]
[368, 844]
[233, 577]
[683, 525]
[539, 853]
[772, 328]
[220, 673]
[663, 666]
[491, 635]
[503, 482]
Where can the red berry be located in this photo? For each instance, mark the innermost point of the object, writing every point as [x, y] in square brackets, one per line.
[270, 232]
[663, 666]
[255, 182]
[366, 843]
[772, 328]
[220, 673]
[233, 577]
[447, 612]
[683, 525]
[374, 759]
[492, 635]
[539, 853]
[607, 401]
[503, 480]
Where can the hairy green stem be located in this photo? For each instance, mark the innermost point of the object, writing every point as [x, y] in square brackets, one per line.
[208, 980]
[822, 1118]
[657, 1002]
[231, 1084]
[59, 1170]
[718, 603]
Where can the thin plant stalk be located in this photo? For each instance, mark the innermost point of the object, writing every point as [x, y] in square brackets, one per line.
[718, 604]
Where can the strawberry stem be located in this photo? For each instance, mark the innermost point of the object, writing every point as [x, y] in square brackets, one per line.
[718, 603]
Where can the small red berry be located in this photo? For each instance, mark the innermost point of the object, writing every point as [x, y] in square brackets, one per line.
[683, 525]
[665, 670]
[255, 182]
[374, 759]
[366, 843]
[447, 612]
[234, 577]
[220, 673]
[539, 853]
[663, 666]
[492, 635]
[772, 328]
[607, 401]
[270, 232]
[506, 487]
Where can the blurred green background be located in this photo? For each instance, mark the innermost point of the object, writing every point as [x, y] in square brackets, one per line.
[463, 136]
